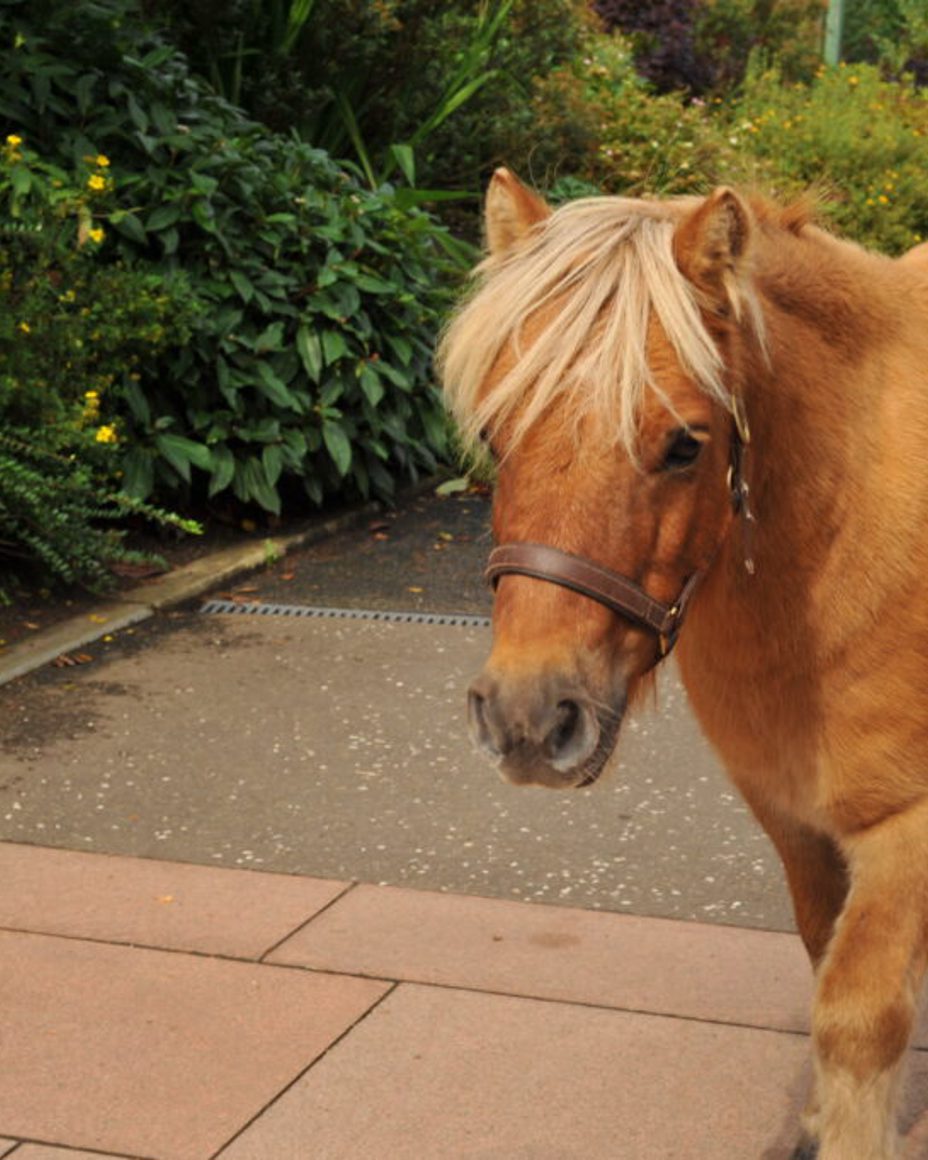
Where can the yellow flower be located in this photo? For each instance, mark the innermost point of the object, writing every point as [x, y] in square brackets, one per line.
[106, 435]
[96, 235]
[91, 394]
[102, 161]
[14, 141]
[25, 327]
[96, 182]
[883, 199]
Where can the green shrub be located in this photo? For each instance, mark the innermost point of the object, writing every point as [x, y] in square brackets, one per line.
[72, 330]
[891, 33]
[75, 323]
[313, 358]
[61, 517]
[308, 360]
[602, 123]
[859, 139]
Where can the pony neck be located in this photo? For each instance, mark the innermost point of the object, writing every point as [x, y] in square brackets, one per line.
[817, 468]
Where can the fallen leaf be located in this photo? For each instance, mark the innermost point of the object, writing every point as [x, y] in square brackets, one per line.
[412, 588]
[137, 571]
[450, 486]
[67, 660]
[381, 536]
[287, 575]
[96, 618]
[165, 897]
[378, 525]
[247, 588]
[30, 624]
[446, 536]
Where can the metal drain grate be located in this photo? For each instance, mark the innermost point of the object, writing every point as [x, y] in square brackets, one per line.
[450, 619]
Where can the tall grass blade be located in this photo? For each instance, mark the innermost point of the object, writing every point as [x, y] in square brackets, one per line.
[297, 18]
[350, 121]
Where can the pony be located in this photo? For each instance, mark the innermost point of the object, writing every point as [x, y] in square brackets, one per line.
[710, 424]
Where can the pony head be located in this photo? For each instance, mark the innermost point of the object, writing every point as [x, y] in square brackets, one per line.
[599, 360]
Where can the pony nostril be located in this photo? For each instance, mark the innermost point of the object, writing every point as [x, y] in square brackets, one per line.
[568, 720]
[477, 713]
[511, 724]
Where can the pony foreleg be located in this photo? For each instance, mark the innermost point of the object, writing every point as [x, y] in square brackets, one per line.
[818, 882]
[817, 876]
[867, 989]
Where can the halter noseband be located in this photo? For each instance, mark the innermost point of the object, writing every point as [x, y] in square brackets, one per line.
[619, 593]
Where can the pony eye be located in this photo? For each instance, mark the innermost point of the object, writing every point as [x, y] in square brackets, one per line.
[682, 451]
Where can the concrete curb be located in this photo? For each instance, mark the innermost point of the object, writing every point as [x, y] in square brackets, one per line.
[175, 588]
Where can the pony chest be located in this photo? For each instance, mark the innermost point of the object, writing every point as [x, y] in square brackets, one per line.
[767, 731]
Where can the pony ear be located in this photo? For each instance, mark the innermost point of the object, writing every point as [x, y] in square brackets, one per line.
[510, 211]
[710, 247]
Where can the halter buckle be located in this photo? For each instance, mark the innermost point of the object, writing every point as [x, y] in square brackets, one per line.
[667, 640]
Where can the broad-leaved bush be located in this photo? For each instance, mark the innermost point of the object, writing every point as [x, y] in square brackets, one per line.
[313, 302]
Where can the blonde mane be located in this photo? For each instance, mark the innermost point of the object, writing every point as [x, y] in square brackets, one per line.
[602, 265]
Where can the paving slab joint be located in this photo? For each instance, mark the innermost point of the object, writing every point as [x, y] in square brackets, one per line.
[265, 955]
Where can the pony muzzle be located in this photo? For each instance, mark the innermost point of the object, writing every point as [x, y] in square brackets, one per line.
[538, 733]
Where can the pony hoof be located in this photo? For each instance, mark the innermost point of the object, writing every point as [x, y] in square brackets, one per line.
[808, 1151]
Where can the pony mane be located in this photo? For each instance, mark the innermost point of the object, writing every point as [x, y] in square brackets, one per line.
[603, 265]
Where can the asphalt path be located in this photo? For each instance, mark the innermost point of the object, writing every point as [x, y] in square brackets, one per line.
[334, 747]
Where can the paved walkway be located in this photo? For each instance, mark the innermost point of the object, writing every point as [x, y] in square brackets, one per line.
[153, 1009]
[159, 1010]
[339, 749]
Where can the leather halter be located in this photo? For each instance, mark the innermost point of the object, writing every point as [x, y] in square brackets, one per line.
[619, 593]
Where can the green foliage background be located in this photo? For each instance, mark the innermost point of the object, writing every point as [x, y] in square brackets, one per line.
[229, 232]
[312, 301]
